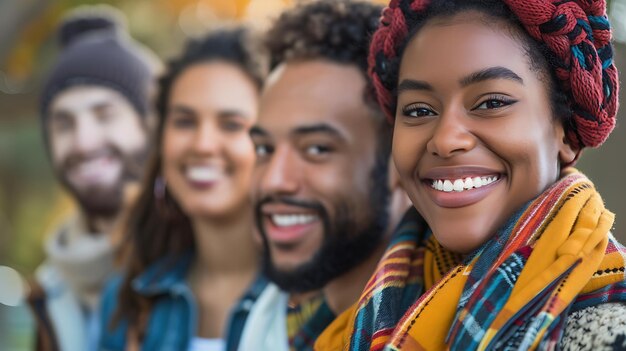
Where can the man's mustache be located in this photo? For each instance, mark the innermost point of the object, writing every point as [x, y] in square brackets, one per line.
[132, 164]
[76, 158]
[291, 201]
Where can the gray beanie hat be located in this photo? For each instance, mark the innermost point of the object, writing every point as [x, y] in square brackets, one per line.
[98, 51]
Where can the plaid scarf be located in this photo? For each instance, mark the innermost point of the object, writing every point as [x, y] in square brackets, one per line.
[304, 338]
[554, 256]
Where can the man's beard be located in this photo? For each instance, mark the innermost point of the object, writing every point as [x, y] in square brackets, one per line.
[346, 242]
[103, 201]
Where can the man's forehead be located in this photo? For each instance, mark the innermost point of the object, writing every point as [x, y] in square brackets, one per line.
[314, 77]
[301, 93]
[296, 130]
[82, 97]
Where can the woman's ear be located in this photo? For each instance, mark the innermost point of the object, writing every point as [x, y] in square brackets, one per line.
[568, 154]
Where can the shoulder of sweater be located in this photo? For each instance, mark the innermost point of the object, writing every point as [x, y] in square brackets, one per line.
[601, 327]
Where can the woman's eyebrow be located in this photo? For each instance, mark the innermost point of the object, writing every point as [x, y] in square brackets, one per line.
[497, 72]
[411, 84]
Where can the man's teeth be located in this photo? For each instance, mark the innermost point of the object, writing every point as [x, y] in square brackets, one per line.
[203, 174]
[292, 219]
[93, 165]
[468, 183]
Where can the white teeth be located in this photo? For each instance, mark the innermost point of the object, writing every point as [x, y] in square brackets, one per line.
[459, 185]
[92, 166]
[292, 219]
[478, 182]
[203, 174]
[438, 185]
[100, 170]
[469, 183]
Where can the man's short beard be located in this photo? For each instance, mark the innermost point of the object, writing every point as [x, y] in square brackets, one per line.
[106, 202]
[346, 242]
[97, 202]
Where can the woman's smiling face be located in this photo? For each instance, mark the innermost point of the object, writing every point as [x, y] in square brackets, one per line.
[208, 156]
[474, 137]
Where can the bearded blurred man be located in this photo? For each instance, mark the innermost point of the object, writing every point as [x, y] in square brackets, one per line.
[94, 113]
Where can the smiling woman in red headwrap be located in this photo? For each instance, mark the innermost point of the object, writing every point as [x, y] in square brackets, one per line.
[508, 246]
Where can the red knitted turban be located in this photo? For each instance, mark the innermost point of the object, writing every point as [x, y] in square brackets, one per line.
[577, 32]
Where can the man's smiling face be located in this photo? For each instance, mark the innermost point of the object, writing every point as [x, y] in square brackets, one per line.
[319, 210]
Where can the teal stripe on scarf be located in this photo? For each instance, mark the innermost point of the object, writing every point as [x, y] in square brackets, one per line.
[394, 300]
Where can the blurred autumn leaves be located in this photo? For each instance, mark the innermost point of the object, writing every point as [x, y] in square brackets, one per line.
[27, 28]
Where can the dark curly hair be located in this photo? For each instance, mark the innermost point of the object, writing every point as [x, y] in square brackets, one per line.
[338, 30]
[158, 229]
[335, 30]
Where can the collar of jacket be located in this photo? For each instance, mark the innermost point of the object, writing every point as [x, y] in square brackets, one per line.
[169, 275]
[165, 275]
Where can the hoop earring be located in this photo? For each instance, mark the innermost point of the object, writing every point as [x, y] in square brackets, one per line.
[159, 188]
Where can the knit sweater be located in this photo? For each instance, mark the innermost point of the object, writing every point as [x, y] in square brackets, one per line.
[601, 327]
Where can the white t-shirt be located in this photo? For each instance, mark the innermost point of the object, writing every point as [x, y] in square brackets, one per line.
[202, 344]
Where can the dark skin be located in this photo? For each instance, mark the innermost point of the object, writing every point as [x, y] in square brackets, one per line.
[470, 106]
[316, 142]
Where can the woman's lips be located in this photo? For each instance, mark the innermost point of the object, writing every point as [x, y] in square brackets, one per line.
[456, 198]
[453, 187]
[201, 177]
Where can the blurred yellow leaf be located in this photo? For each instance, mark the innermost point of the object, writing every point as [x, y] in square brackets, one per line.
[21, 61]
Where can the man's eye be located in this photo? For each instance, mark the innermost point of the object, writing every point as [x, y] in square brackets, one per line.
[263, 150]
[106, 115]
[316, 150]
[62, 122]
[418, 110]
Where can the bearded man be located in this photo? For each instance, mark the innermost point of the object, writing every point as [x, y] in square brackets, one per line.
[94, 113]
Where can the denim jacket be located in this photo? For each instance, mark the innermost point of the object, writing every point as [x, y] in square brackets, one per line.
[173, 318]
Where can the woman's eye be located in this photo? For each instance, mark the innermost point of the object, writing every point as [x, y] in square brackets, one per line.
[494, 103]
[232, 126]
[418, 110]
[183, 122]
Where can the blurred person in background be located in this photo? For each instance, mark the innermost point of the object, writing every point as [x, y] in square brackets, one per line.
[193, 268]
[326, 196]
[95, 113]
